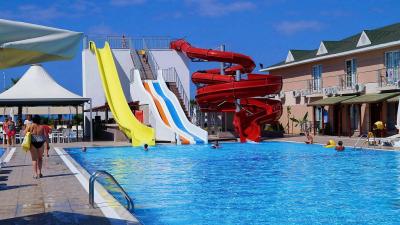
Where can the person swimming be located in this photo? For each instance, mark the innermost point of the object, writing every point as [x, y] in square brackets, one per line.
[216, 145]
[310, 139]
[146, 147]
[339, 147]
[83, 149]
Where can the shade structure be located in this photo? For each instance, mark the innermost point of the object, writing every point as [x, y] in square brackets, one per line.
[24, 43]
[37, 88]
[371, 98]
[331, 100]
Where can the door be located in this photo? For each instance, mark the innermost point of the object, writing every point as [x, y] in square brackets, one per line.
[354, 117]
[392, 63]
[316, 78]
[375, 113]
[351, 73]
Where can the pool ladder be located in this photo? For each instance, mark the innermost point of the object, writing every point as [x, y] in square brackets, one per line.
[363, 143]
[130, 206]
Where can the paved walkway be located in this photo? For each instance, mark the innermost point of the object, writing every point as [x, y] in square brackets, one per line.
[57, 198]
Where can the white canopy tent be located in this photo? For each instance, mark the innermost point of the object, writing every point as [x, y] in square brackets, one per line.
[24, 43]
[37, 88]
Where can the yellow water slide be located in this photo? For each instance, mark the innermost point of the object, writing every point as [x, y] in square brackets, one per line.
[138, 132]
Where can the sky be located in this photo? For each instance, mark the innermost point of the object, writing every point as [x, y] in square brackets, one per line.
[264, 29]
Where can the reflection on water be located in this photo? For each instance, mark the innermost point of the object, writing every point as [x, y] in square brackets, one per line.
[268, 183]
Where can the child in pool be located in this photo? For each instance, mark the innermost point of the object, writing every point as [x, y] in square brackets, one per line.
[216, 145]
[310, 139]
[339, 147]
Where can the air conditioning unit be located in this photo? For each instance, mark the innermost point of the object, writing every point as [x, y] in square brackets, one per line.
[304, 93]
[335, 90]
[359, 87]
[281, 94]
[327, 91]
[296, 93]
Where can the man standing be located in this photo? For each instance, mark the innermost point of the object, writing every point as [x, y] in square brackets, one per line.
[28, 121]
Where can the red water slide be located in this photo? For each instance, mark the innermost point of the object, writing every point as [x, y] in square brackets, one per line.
[219, 92]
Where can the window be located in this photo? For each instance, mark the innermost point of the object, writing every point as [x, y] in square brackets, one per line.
[392, 63]
[351, 73]
[316, 78]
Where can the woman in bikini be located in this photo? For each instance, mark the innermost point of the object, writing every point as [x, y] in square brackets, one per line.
[37, 145]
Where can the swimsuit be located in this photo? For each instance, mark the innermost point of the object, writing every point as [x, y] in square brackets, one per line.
[37, 140]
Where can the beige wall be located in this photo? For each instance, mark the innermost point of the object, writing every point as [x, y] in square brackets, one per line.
[296, 78]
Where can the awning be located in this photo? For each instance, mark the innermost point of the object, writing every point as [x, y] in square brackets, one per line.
[25, 43]
[371, 98]
[331, 100]
[37, 88]
[394, 99]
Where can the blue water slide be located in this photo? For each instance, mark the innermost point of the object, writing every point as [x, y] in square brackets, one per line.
[174, 113]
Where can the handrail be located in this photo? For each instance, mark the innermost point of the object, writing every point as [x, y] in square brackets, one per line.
[127, 42]
[170, 75]
[92, 179]
[358, 140]
[152, 62]
[138, 64]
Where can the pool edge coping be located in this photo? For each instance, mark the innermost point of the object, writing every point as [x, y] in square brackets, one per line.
[346, 146]
[7, 155]
[109, 206]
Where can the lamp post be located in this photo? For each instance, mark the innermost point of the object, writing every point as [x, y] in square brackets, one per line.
[4, 81]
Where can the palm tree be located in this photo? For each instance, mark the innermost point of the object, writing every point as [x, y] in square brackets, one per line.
[13, 82]
[302, 122]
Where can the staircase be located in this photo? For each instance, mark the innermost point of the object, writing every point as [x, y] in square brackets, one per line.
[141, 63]
[172, 86]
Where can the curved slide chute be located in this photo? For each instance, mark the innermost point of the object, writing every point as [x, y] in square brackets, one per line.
[164, 114]
[200, 135]
[139, 133]
[219, 92]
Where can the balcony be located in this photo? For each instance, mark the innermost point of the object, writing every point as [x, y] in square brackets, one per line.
[314, 88]
[348, 84]
[388, 78]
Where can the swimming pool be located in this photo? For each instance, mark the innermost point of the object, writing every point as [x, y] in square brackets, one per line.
[2, 150]
[266, 183]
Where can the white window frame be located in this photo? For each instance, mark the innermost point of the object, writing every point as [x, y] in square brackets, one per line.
[396, 71]
[316, 82]
[350, 83]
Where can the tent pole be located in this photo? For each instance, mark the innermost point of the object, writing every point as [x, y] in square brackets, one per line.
[91, 121]
[84, 123]
[76, 118]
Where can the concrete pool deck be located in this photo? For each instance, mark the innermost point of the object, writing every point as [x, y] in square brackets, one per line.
[57, 198]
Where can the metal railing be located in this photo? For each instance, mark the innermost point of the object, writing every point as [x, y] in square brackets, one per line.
[153, 64]
[130, 206]
[348, 81]
[388, 77]
[126, 42]
[363, 143]
[170, 75]
[314, 85]
[138, 65]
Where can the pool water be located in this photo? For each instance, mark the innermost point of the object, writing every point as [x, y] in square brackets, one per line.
[2, 150]
[266, 183]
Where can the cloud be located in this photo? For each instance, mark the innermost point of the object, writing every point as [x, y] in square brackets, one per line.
[335, 13]
[101, 29]
[126, 2]
[291, 27]
[57, 10]
[214, 8]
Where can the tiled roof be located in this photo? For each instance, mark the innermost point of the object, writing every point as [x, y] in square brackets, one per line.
[377, 36]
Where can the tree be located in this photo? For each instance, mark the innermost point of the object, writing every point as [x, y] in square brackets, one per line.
[302, 122]
[13, 82]
[289, 113]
